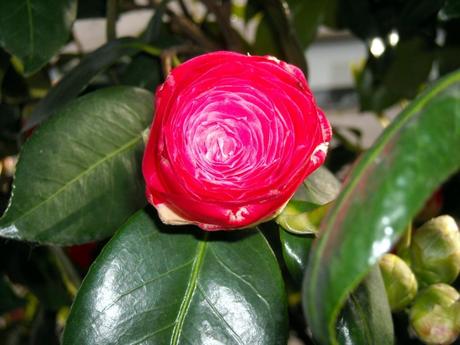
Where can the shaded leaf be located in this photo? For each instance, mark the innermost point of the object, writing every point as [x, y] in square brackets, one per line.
[266, 42]
[78, 177]
[369, 19]
[451, 10]
[448, 54]
[34, 30]
[8, 299]
[44, 328]
[279, 23]
[366, 317]
[76, 80]
[395, 75]
[10, 124]
[91, 8]
[143, 71]
[37, 270]
[154, 285]
[307, 15]
[386, 188]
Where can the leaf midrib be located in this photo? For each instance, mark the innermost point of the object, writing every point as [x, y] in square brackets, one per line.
[121, 149]
[191, 287]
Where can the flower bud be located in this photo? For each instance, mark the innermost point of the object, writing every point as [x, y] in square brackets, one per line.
[435, 251]
[434, 317]
[400, 282]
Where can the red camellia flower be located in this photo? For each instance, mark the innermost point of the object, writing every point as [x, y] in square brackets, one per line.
[232, 139]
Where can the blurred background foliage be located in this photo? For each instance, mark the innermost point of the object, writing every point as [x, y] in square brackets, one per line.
[408, 44]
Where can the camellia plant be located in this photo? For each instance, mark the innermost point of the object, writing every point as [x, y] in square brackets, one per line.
[181, 186]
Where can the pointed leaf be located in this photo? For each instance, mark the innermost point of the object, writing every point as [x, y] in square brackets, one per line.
[34, 30]
[76, 80]
[78, 177]
[386, 188]
[156, 285]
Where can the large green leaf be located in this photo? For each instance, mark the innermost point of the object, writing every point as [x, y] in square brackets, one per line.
[159, 285]
[34, 30]
[78, 177]
[387, 186]
[76, 80]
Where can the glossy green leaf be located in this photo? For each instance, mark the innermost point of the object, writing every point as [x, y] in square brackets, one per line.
[76, 80]
[34, 30]
[78, 177]
[296, 249]
[387, 186]
[366, 317]
[167, 285]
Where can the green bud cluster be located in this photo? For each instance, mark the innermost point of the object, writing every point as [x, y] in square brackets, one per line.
[419, 283]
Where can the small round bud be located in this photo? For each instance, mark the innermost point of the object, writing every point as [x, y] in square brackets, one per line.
[435, 251]
[400, 282]
[434, 316]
